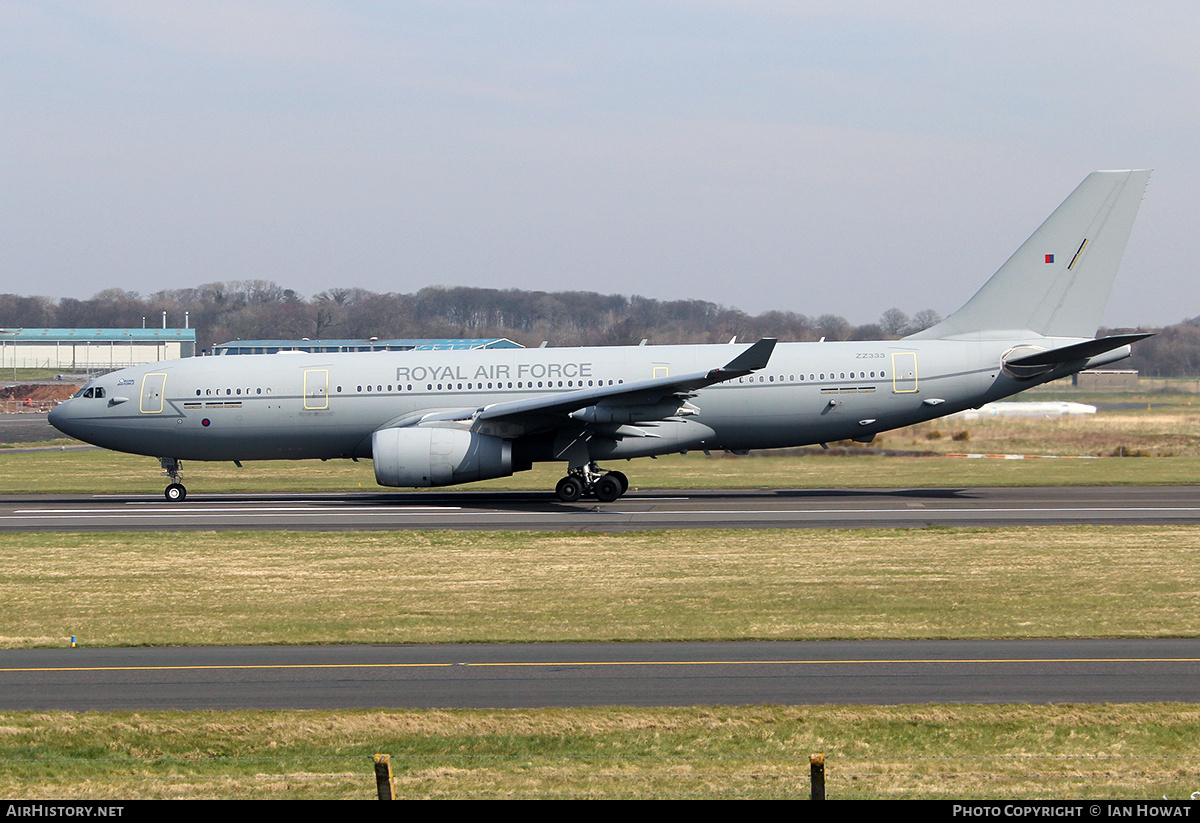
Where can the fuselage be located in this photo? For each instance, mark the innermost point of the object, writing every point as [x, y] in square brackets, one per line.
[323, 406]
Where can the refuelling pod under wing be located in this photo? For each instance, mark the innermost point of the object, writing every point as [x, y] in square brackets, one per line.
[438, 456]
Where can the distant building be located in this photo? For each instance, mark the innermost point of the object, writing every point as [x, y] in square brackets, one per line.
[373, 344]
[92, 349]
[1106, 379]
[1043, 409]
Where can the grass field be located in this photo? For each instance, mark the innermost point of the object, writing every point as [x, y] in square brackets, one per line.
[1144, 751]
[208, 588]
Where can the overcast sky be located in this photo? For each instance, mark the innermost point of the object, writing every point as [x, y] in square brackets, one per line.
[814, 157]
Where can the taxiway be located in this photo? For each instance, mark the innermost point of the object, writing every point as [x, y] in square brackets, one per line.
[599, 674]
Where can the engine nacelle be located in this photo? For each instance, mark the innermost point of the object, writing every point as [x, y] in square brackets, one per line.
[438, 457]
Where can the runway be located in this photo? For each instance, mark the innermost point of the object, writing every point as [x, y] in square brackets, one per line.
[638, 510]
[600, 674]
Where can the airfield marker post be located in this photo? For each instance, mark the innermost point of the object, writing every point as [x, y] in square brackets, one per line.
[383, 777]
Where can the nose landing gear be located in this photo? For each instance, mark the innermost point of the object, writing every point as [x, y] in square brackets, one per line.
[590, 480]
[176, 491]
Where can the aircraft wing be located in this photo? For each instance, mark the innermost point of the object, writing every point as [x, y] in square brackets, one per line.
[655, 398]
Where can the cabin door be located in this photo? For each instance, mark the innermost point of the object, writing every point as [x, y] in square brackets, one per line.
[152, 393]
[316, 389]
[904, 372]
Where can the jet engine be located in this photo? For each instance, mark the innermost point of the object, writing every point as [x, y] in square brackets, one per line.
[438, 456]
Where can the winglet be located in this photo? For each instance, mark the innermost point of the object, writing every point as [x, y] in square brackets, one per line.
[752, 359]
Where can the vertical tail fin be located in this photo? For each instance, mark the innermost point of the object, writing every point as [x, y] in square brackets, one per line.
[1058, 282]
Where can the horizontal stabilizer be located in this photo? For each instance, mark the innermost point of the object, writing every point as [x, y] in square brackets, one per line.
[1031, 365]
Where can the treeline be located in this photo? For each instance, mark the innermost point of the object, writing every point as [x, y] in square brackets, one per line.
[257, 309]
[1173, 352]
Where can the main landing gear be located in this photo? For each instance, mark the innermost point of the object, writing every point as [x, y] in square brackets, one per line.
[590, 480]
[176, 491]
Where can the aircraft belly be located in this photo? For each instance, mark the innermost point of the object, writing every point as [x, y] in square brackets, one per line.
[785, 416]
[250, 442]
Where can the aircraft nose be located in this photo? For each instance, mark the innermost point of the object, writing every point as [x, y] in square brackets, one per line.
[60, 418]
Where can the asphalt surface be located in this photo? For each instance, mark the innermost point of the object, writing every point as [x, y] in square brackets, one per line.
[586, 674]
[26, 427]
[661, 509]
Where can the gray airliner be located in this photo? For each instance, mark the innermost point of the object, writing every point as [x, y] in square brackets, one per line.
[446, 417]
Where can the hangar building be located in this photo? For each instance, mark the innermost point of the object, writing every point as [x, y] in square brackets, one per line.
[92, 349]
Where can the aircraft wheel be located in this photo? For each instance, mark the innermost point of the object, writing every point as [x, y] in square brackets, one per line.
[569, 489]
[622, 479]
[175, 492]
[608, 489]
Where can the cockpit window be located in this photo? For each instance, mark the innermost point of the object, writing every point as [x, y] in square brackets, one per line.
[87, 392]
[92, 391]
[99, 391]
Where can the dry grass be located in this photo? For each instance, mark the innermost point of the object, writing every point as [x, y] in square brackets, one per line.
[409, 587]
[1168, 433]
[1142, 751]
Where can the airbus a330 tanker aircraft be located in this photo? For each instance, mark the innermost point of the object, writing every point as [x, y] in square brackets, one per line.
[445, 417]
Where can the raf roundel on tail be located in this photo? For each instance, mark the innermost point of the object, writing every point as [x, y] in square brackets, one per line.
[446, 417]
